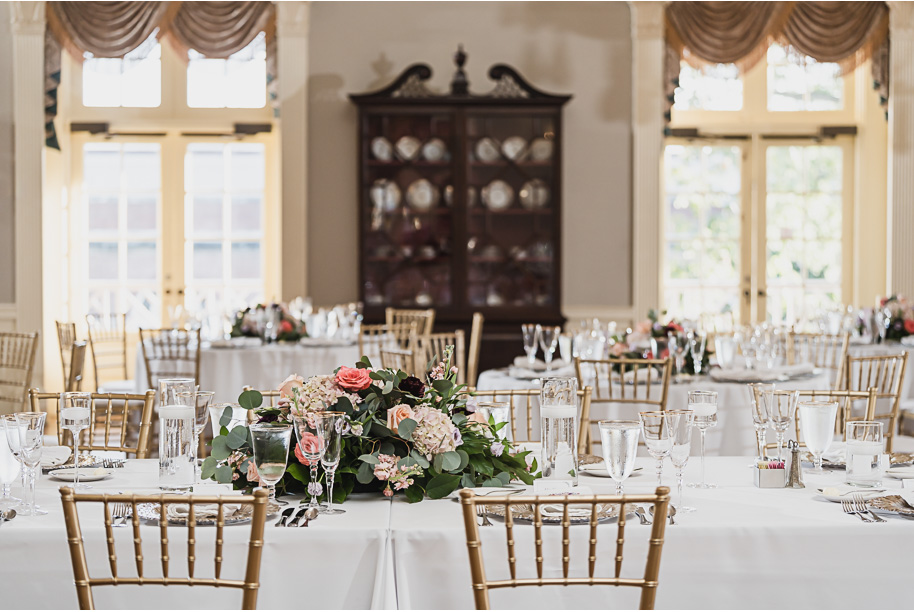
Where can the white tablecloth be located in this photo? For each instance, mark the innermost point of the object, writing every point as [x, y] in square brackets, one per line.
[744, 548]
[227, 370]
[734, 434]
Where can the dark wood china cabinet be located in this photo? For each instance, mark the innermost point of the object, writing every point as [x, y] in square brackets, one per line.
[460, 203]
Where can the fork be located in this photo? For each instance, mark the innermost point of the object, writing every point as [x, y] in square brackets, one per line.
[848, 507]
[119, 513]
[861, 507]
[483, 511]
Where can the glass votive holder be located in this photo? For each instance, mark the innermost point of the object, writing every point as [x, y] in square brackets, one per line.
[865, 461]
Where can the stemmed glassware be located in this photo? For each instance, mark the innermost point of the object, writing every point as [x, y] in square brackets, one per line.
[817, 420]
[309, 446]
[239, 416]
[11, 427]
[781, 407]
[681, 427]
[9, 463]
[658, 436]
[620, 447]
[271, 453]
[703, 405]
[31, 437]
[548, 338]
[678, 344]
[201, 401]
[75, 412]
[329, 429]
[697, 349]
[531, 333]
[759, 414]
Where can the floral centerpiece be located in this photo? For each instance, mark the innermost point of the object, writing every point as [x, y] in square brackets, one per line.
[250, 322]
[652, 328]
[897, 316]
[401, 434]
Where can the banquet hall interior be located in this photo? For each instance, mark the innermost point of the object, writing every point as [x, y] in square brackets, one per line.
[410, 302]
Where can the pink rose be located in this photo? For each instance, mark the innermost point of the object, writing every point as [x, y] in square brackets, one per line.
[617, 349]
[293, 382]
[253, 476]
[644, 327]
[309, 445]
[396, 415]
[353, 379]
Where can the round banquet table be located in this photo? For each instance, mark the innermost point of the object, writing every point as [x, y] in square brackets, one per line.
[733, 435]
[227, 370]
[744, 548]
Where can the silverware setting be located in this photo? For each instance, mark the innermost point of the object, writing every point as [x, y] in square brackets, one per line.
[483, 511]
[641, 513]
[671, 512]
[284, 517]
[310, 514]
[860, 505]
[7, 516]
[849, 508]
[112, 463]
[120, 513]
[298, 517]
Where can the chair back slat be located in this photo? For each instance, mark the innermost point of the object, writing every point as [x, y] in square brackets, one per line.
[372, 338]
[66, 336]
[431, 347]
[424, 319]
[249, 585]
[108, 347]
[77, 362]
[826, 351]
[399, 359]
[474, 349]
[647, 582]
[17, 362]
[170, 353]
[885, 373]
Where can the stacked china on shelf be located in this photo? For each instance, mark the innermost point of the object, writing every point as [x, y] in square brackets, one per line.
[460, 203]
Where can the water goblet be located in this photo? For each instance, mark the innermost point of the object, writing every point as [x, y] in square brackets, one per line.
[201, 401]
[271, 453]
[678, 344]
[309, 446]
[531, 339]
[10, 466]
[817, 421]
[11, 427]
[75, 413]
[759, 414]
[237, 416]
[658, 436]
[781, 407]
[681, 427]
[548, 339]
[620, 447]
[697, 350]
[330, 431]
[703, 404]
[31, 437]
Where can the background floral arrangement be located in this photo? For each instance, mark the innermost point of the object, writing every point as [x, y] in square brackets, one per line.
[250, 321]
[400, 435]
[899, 317]
[651, 327]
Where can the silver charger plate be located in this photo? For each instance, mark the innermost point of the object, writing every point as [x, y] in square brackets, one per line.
[434, 150]
[243, 514]
[514, 148]
[891, 504]
[524, 512]
[541, 149]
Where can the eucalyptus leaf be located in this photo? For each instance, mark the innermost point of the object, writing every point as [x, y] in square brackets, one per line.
[467, 481]
[369, 459]
[386, 448]
[250, 399]
[237, 438]
[224, 474]
[464, 459]
[226, 417]
[406, 462]
[406, 428]
[504, 477]
[208, 469]
[492, 482]
[459, 419]
[220, 450]
[420, 459]
[365, 473]
[450, 461]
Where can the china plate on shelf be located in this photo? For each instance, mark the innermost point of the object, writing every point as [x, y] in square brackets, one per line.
[541, 149]
[85, 474]
[408, 147]
[421, 195]
[177, 514]
[382, 149]
[385, 195]
[514, 148]
[487, 150]
[534, 194]
[498, 195]
[434, 150]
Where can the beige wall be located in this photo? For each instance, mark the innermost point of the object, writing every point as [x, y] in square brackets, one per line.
[7, 245]
[579, 48]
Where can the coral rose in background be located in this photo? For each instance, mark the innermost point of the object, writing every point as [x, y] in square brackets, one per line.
[353, 379]
[909, 326]
[397, 414]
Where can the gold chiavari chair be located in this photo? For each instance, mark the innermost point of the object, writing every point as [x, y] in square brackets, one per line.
[431, 347]
[474, 349]
[399, 359]
[620, 380]
[515, 397]
[424, 319]
[647, 583]
[849, 402]
[108, 347]
[825, 351]
[372, 338]
[170, 353]
[17, 361]
[77, 364]
[249, 585]
[119, 422]
[886, 374]
[66, 336]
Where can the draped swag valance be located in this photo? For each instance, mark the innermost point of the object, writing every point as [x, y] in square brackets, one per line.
[846, 33]
[113, 29]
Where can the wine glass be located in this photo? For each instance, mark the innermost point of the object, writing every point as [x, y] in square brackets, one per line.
[531, 338]
[329, 430]
[271, 453]
[817, 420]
[759, 414]
[237, 416]
[548, 337]
[620, 447]
[697, 350]
[781, 407]
[678, 345]
[31, 437]
[703, 404]
[201, 401]
[309, 446]
[9, 463]
[11, 427]
[658, 436]
[75, 412]
[681, 427]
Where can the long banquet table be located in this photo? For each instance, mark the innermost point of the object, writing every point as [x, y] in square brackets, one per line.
[744, 548]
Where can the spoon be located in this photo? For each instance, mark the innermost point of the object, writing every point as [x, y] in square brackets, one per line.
[310, 514]
[671, 512]
[8, 515]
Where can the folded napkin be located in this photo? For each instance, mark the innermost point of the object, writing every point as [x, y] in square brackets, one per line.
[642, 374]
[574, 510]
[205, 512]
[527, 374]
[907, 472]
[538, 364]
[836, 452]
[762, 375]
[52, 456]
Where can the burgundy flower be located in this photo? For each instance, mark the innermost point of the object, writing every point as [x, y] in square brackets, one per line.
[412, 385]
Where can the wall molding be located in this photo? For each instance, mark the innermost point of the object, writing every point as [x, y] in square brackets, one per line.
[8, 314]
[900, 213]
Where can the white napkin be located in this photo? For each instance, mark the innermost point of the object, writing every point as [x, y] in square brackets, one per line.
[908, 340]
[201, 511]
[528, 374]
[54, 455]
[907, 472]
[557, 510]
[538, 365]
[836, 452]
[742, 375]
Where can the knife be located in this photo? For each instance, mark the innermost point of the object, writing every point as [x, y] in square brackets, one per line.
[298, 517]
